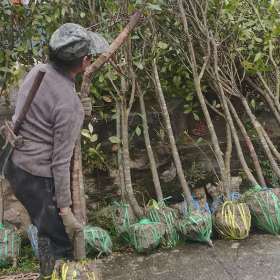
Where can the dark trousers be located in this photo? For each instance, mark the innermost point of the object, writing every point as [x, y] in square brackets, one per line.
[37, 195]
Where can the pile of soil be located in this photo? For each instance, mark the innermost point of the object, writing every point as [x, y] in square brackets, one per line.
[265, 209]
[197, 226]
[232, 220]
[123, 217]
[98, 240]
[146, 236]
[167, 216]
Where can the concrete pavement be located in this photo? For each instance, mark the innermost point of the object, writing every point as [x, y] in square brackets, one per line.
[257, 257]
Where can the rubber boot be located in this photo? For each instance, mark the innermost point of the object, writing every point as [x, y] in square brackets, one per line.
[46, 258]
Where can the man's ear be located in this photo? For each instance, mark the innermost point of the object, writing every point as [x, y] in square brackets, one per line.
[86, 61]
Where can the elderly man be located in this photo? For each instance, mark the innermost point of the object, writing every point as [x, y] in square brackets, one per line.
[39, 170]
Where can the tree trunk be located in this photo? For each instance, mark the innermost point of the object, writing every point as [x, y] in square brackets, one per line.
[126, 168]
[77, 186]
[220, 89]
[267, 98]
[153, 165]
[103, 58]
[1, 201]
[167, 121]
[120, 153]
[126, 157]
[197, 80]
[258, 128]
[249, 145]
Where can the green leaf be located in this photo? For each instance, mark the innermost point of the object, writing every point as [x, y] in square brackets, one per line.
[90, 128]
[86, 133]
[93, 138]
[258, 56]
[154, 7]
[138, 131]
[162, 45]
[114, 140]
[196, 116]
[199, 140]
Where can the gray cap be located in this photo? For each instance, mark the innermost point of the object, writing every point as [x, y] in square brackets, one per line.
[71, 41]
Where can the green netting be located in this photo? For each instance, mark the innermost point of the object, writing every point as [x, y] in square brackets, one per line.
[122, 218]
[196, 226]
[98, 240]
[9, 244]
[158, 212]
[233, 220]
[265, 209]
[146, 235]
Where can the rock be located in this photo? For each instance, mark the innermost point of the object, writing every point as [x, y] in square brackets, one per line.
[14, 212]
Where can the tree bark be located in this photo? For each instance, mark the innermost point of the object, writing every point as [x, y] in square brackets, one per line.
[267, 98]
[103, 58]
[229, 119]
[249, 145]
[1, 201]
[126, 161]
[174, 149]
[153, 165]
[197, 82]
[258, 128]
[120, 153]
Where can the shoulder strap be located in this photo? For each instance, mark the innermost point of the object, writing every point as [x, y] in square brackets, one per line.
[35, 86]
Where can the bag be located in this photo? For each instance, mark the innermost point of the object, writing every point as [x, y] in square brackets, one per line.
[8, 132]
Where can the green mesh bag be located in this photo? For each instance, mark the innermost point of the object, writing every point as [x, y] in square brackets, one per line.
[98, 240]
[196, 226]
[265, 209]
[9, 244]
[123, 217]
[158, 212]
[146, 235]
[232, 220]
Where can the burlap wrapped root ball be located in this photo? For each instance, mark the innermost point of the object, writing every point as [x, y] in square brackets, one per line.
[10, 243]
[146, 235]
[196, 226]
[265, 209]
[76, 271]
[169, 217]
[232, 220]
[123, 217]
[97, 240]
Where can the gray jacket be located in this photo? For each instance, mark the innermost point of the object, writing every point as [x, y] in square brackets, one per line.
[50, 130]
